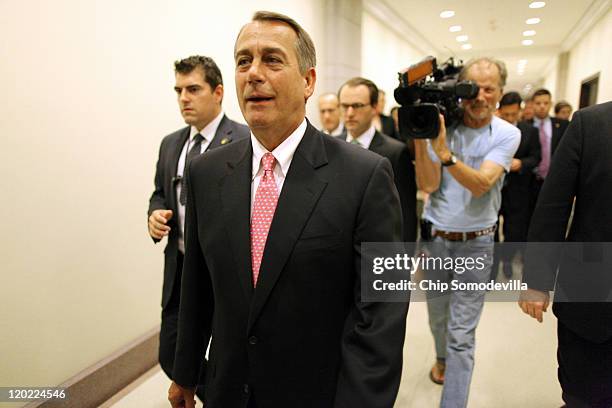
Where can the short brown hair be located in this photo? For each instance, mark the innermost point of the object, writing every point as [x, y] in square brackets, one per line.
[501, 68]
[372, 88]
[562, 104]
[540, 92]
[212, 74]
[304, 47]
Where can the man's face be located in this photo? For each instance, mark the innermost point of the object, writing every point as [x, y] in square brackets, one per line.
[486, 76]
[271, 91]
[199, 103]
[509, 113]
[527, 113]
[329, 109]
[356, 109]
[541, 106]
[564, 113]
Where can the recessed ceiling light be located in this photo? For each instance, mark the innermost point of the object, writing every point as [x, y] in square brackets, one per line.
[522, 61]
[537, 4]
[534, 20]
[462, 38]
[529, 33]
[447, 14]
[527, 42]
[467, 46]
[454, 29]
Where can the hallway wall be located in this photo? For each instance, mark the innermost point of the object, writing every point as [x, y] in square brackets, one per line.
[88, 95]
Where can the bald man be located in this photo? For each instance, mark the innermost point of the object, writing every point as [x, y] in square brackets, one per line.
[329, 109]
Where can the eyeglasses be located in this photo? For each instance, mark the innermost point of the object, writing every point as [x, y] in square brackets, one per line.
[355, 106]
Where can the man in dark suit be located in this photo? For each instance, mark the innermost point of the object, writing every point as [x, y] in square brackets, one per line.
[515, 207]
[582, 171]
[199, 89]
[358, 102]
[550, 131]
[273, 250]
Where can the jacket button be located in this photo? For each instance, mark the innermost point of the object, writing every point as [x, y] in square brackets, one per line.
[253, 340]
[245, 388]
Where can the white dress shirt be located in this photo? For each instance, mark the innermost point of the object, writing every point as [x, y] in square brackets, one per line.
[283, 154]
[364, 140]
[208, 133]
[337, 131]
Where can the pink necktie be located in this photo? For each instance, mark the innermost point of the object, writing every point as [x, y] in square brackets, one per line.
[264, 206]
[545, 162]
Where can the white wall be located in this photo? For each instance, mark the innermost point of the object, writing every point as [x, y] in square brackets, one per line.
[589, 56]
[87, 96]
[384, 54]
[550, 79]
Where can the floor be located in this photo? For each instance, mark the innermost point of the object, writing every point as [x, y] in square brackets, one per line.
[515, 365]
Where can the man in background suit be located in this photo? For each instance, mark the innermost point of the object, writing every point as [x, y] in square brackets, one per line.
[358, 102]
[329, 109]
[550, 131]
[515, 207]
[273, 250]
[582, 171]
[199, 89]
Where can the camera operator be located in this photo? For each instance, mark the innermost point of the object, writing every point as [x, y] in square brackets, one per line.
[463, 170]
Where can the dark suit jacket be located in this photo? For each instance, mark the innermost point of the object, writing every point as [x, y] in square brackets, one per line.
[581, 169]
[559, 126]
[515, 194]
[404, 177]
[302, 338]
[388, 126]
[164, 195]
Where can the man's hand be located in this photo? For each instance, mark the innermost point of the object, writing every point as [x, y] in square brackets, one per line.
[534, 303]
[516, 165]
[439, 143]
[180, 397]
[158, 221]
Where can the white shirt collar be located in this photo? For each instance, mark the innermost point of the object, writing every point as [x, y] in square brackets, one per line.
[536, 120]
[365, 139]
[208, 133]
[337, 130]
[283, 152]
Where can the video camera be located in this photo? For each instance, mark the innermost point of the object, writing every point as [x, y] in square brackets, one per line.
[425, 91]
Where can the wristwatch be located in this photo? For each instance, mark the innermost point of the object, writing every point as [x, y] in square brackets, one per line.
[451, 161]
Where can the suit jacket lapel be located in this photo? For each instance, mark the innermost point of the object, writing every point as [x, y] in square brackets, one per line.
[175, 155]
[235, 190]
[223, 135]
[301, 191]
[377, 141]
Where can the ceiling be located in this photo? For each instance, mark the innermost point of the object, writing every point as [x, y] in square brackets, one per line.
[495, 28]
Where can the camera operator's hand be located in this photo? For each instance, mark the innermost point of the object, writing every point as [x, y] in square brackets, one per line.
[439, 143]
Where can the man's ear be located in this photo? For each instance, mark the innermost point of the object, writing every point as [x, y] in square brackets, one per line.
[310, 78]
[218, 92]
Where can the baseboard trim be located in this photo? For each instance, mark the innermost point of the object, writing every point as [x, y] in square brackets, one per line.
[99, 382]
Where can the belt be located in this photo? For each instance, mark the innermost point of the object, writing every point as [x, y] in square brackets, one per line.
[463, 236]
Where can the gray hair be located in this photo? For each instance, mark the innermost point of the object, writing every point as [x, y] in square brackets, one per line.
[501, 68]
[304, 47]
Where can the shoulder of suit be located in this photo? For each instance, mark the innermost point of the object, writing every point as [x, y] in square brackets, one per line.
[339, 148]
[391, 142]
[177, 134]
[240, 130]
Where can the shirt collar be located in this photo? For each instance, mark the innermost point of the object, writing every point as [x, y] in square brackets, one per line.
[283, 152]
[365, 139]
[337, 130]
[536, 120]
[208, 133]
